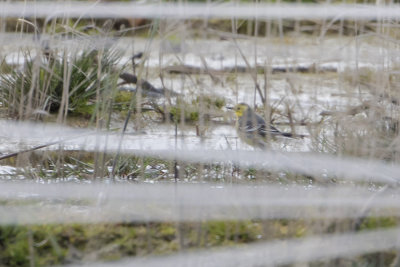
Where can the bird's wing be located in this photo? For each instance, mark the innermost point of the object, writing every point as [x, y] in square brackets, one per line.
[254, 124]
[250, 127]
[271, 131]
[248, 123]
[262, 128]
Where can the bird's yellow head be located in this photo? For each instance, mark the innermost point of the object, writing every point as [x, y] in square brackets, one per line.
[240, 109]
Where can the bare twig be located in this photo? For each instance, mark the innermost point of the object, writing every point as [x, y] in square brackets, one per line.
[14, 154]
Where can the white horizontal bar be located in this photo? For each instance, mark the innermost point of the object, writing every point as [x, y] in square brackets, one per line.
[50, 9]
[275, 253]
[109, 203]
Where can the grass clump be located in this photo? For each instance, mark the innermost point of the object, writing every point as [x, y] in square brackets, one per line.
[52, 82]
[75, 243]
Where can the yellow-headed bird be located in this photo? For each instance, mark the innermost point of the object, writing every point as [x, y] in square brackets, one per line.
[252, 128]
